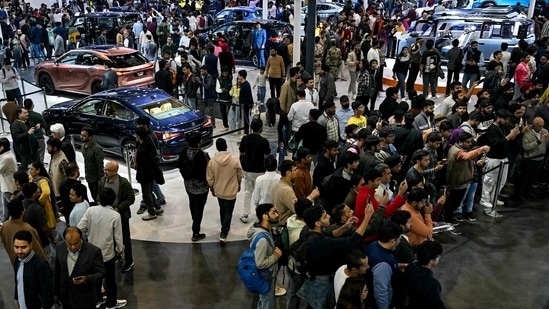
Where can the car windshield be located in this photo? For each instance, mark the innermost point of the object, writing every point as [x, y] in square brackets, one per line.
[166, 108]
[128, 60]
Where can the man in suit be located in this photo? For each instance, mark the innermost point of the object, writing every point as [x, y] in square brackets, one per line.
[78, 266]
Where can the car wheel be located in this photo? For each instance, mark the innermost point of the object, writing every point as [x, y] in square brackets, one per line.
[255, 61]
[96, 87]
[44, 81]
[332, 20]
[128, 151]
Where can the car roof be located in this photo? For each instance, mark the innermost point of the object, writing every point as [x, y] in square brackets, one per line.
[108, 14]
[109, 49]
[135, 96]
[242, 8]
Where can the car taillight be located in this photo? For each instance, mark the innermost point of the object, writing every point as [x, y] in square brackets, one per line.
[167, 135]
[208, 123]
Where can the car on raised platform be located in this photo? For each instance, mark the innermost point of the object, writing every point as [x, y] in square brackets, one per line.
[239, 36]
[81, 70]
[90, 25]
[236, 13]
[113, 115]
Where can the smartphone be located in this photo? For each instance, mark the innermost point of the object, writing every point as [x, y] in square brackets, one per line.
[481, 81]
[368, 200]
[78, 278]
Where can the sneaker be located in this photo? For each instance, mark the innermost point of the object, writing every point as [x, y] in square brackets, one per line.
[500, 203]
[197, 237]
[469, 216]
[222, 240]
[127, 267]
[159, 211]
[224, 130]
[120, 303]
[244, 218]
[280, 291]
[148, 217]
[458, 217]
[454, 232]
[101, 302]
[455, 221]
[486, 205]
[141, 210]
[504, 195]
[162, 203]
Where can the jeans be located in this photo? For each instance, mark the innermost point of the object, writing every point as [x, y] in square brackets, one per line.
[430, 79]
[246, 119]
[147, 193]
[37, 53]
[319, 293]
[453, 76]
[261, 91]
[275, 84]
[110, 284]
[234, 117]
[196, 205]
[5, 201]
[260, 53]
[468, 78]
[468, 199]
[352, 84]
[412, 76]
[158, 193]
[191, 102]
[284, 129]
[296, 281]
[268, 300]
[249, 184]
[226, 208]
[401, 80]
[18, 56]
[126, 240]
[489, 181]
[41, 148]
[453, 202]
[17, 94]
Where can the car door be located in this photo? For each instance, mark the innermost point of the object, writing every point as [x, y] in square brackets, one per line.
[115, 123]
[222, 17]
[83, 72]
[65, 78]
[83, 114]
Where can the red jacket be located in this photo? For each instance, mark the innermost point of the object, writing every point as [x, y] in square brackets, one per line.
[360, 206]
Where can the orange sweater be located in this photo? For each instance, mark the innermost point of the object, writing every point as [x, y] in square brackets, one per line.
[421, 228]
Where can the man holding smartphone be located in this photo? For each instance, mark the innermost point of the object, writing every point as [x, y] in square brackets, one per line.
[78, 265]
[10, 81]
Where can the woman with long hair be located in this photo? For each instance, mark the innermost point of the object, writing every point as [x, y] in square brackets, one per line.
[40, 177]
[400, 70]
[353, 293]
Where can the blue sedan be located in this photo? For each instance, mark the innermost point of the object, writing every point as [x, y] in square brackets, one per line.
[113, 115]
[237, 13]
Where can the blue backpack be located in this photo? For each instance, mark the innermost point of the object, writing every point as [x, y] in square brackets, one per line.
[256, 280]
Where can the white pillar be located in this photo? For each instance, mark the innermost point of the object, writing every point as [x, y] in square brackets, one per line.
[531, 8]
[265, 7]
[297, 32]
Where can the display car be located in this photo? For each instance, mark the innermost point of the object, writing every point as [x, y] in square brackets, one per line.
[236, 13]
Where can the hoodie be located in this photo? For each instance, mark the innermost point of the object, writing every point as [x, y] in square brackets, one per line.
[224, 175]
[263, 254]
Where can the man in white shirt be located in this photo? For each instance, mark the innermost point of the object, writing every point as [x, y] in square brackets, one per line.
[357, 265]
[311, 94]
[385, 180]
[373, 53]
[299, 111]
[262, 193]
[104, 229]
[186, 39]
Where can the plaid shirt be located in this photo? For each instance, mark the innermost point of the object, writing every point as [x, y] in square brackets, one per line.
[93, 161]
[332, 126]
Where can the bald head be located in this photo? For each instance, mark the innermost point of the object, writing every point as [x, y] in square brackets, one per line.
[538, 124]
[111, 170]
[73, 239]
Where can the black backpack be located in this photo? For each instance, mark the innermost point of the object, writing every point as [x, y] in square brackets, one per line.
[282, 242]
[299, 252]
[192, 169]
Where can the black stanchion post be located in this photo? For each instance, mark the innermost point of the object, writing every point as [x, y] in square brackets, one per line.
[45, 99]
[128, 163]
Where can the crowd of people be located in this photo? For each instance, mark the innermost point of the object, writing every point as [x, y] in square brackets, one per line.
[364, 188]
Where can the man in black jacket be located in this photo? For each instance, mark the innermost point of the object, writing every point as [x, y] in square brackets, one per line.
[246, 99]
[147, 173]
[24, 140]
[33, 275]
[163, 78]
[189, 86]
[75, 282]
